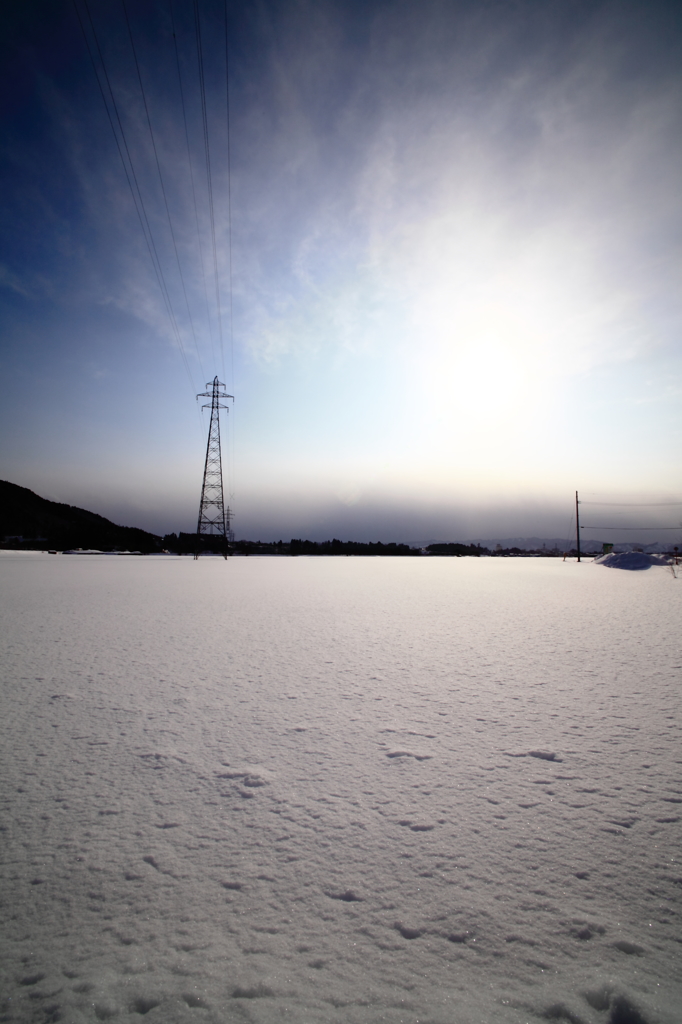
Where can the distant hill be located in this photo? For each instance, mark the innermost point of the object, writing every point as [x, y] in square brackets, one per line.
[29, 521]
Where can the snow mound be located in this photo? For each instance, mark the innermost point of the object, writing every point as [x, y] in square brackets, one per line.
[631, 560]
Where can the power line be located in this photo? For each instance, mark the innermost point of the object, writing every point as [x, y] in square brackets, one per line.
[191, 175]
[207, 152]
[231, 476]
[229, 194]
[592, 526]
[158, 168]
[632, 504]
[131, 177]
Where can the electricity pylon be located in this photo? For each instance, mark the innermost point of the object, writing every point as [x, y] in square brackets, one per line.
[214, 515]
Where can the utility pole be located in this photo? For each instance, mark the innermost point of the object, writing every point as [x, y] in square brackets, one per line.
[577, 524]
[214, 516]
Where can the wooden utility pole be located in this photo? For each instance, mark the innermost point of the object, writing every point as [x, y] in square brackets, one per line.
[577, 524]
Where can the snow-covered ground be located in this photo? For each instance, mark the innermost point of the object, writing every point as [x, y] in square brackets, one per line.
[339, 790]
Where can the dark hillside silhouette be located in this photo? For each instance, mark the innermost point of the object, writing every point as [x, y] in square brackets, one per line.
[29, 521]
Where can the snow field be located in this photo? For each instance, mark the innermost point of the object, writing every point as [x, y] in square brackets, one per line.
[339, 790]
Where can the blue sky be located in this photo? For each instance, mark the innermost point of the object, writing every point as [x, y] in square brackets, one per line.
[455, 264]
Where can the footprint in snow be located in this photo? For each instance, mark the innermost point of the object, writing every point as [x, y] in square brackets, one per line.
[416, 826]
[408, 753]
[543, 755]
[348, 896]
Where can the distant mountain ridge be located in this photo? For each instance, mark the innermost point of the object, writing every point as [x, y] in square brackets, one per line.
[29, 521]
[532, 543]
[564, 544]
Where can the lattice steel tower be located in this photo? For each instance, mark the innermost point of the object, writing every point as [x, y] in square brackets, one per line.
[214, 515]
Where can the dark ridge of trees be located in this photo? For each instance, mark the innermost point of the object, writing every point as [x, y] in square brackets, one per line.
[28, 521]
[501, 552]
[457, 550]
[351, 547]
[186, 544]
[191, 543]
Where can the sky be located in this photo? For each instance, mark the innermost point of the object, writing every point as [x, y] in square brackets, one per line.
[447, 252]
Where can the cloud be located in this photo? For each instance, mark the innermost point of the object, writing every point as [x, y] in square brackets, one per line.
[509, 208]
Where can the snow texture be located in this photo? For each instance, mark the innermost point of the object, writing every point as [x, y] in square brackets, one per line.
[339, 790]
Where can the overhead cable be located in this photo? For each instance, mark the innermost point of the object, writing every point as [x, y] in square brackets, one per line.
[229, 194]
[593, 526]
[209, 182]
[229, 238]
[632, 504]
[191, 175]
[158, 168]
[131, 177]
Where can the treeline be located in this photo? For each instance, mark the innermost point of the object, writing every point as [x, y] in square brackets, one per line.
[350, 547]
[190, 543]
[457, 549]
[186, 544]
